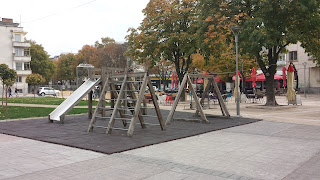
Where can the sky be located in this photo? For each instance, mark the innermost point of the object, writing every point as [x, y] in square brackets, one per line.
[64, 26]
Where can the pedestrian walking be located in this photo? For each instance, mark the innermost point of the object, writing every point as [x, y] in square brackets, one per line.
[16, 92]
[10, 92]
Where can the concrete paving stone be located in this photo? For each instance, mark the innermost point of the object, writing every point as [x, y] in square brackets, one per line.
[62, 172]
[104, 173]
[168, 175]
[59, 162]
[37, 176]
[235, 176]
[191, 168]
[310, 169]
[9, 172]
[32, 167]
[216, 173]
[205, 177]
[245, 178]
[226, 175]
[261, 128]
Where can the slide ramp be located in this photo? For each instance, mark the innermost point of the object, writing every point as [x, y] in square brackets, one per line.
[72, 100]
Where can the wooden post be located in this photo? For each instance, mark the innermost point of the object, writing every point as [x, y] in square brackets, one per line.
[114, 112]
[223, 107]
[175, 103]
[90, 105]
[194, 94]
[96, 111]
[155, 103]
[103, 101]
[134, 97]
[204, 93]
[138, 106]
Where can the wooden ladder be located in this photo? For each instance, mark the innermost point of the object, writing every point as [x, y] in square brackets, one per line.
[130, 106]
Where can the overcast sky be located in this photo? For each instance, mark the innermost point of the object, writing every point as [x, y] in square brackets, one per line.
[66, 25]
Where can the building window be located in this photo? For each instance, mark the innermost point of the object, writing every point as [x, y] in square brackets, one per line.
[19, 79]
[18, 52]
[18, 65]
[293, 56]
[26, 52]
[26, 66]
[17, 37]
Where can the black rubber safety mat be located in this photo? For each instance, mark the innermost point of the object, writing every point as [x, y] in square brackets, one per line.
[73, 132]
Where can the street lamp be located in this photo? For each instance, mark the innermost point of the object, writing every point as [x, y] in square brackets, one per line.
[243, 78]
[236, 31]
[304, 78]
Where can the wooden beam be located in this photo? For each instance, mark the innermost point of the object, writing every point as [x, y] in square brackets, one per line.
[114, 113]
[133, 96]
[155, 103]
[205, 92]
[90, 104]
[223, 107]
[138, 106]
[194, 94]
[128, 75]
[201, 76]
[93, 119]
[175, 103]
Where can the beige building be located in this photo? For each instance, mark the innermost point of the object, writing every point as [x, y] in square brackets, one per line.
[308, 73]
[14, 52]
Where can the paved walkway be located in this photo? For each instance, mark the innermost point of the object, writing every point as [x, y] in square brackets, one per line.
[284, 146]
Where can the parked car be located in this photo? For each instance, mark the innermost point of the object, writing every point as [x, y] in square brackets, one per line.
[42, 91]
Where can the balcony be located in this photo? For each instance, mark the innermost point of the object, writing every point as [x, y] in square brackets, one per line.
[23, 72]
[22, 58]
[21, 44]
[281, 63]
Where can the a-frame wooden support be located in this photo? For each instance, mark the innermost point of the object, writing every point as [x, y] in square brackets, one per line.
[127, 94]
[186, 79]
[212, 82]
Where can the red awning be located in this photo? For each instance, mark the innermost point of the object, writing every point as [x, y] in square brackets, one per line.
[261, 77]
[254, 77]
[284, 77]
[218, 79]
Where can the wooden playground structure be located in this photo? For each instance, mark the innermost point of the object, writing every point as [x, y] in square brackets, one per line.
[186, 80]
[128, 100]
[127, 94]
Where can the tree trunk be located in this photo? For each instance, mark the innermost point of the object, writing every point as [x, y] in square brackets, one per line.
[34, 91]
[270, 94]
[2, 93]
[6, 101]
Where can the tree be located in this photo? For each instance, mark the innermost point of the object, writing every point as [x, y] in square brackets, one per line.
[167, 32]
[40, 62]
[267, 28]
[64, 67]
[34, 79]
[9, 77]
[86, 55]
[162, 70]
[3, 69]
[110, 54]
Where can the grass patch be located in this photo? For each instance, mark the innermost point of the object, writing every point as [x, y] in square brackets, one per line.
[45, 100]
[16, 112]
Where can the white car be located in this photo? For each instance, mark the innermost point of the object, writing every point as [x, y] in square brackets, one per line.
[42, 91]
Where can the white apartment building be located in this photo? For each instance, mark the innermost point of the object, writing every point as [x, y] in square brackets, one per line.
[308, 73]
[14, 52]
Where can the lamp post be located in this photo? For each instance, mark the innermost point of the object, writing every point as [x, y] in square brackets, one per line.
[236, 31]
[304, 78]
[243, 79]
